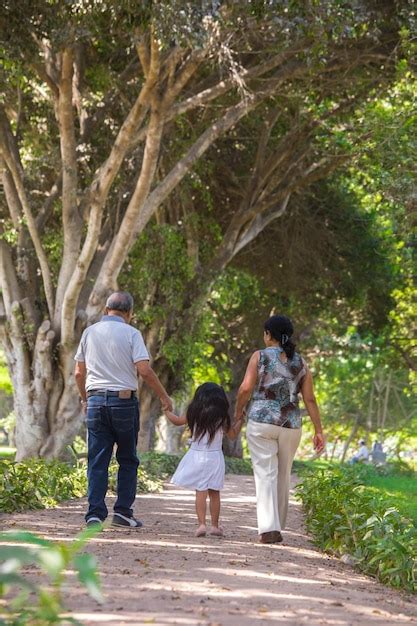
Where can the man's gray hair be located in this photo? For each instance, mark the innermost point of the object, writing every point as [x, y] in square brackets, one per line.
[120, 301]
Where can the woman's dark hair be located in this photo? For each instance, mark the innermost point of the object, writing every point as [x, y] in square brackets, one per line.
[281, 329]
[208, 411]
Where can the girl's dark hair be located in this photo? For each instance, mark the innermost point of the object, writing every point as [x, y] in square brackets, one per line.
[208, 411]
[281, 329]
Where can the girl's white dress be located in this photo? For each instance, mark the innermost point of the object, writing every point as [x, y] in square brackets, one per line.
[202, 467]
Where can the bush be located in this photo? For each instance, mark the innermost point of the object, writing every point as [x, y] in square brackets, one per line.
[159, 464]
[235, 465]
[39, 484]
[147, 482]
[34, 604]
[36, 483]
[345, 518]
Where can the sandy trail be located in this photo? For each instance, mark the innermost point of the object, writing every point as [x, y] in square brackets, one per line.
[162, 575]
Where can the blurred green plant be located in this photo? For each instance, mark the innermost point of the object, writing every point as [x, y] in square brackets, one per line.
[346, 518]
[5, 382]
[7, 428]
[159, 464]
[235, 465]
[36, 604]
[38, 484]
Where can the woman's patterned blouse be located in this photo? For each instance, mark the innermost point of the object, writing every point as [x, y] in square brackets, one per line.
[275, 398]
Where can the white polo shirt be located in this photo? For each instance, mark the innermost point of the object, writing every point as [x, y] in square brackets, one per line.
[110, 348]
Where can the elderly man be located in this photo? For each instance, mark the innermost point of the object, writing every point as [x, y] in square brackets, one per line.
[109, 359]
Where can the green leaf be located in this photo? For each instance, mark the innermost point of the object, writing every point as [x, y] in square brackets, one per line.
[19, 555]
[52, 560]
[86, 566]
[12, 578]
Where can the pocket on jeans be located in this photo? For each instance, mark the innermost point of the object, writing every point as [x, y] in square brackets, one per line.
[93, 419]
[123, 418]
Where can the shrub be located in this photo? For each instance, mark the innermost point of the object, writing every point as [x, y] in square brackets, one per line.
[345, 518]
[235, 465]
[160, 464]
[36, 605]
[36, 483]
[147, 482]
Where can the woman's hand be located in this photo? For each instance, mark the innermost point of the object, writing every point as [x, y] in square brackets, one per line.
[310, 402]
[319, 442]
[235, 428]
[239, 417]
[247, 386]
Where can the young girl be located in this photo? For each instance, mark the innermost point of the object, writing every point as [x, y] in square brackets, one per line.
[202, 467]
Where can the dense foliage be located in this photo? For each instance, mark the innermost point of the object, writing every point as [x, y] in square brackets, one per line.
[38, 484]
[346, 518]
[183, 133]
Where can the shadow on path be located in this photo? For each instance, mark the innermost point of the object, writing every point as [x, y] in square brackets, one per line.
[163, 575]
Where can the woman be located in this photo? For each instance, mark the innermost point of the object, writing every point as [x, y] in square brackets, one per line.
[274, 378]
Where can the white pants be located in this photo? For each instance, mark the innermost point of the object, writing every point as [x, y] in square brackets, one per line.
[272, 449]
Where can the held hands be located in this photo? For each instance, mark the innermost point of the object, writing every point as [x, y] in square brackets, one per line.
[319, 442]
[239, 417]
[237, 426]
[167, 404]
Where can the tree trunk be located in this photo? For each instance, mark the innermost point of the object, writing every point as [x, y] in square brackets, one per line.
[233, 447]
[40, 429]
[170, 437]
[350, 439]
[150, 409]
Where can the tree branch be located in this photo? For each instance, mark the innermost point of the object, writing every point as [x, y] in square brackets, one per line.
[71, 219]
[258, 224]
[8, 278]
[138, 215]
[99, 189]
[6, 137]
[211, 93]
[123, 239]
[47, 207]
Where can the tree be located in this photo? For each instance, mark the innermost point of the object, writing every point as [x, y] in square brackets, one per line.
[324, 260]
[93, 91]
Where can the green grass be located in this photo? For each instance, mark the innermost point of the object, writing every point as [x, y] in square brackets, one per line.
[5, 382]
[6, 452]
[399, 489]
[396, 484]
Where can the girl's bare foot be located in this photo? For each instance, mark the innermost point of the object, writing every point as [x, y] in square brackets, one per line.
[217, 531]
[201, 531]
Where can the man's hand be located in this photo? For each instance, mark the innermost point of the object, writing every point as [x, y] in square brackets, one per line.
[84, 406]
[167, 404]
[319, 442]
[151, 379]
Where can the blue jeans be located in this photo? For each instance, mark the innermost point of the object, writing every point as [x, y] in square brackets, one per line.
[111, 420]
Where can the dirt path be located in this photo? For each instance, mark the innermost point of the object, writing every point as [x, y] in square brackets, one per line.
[163, 575]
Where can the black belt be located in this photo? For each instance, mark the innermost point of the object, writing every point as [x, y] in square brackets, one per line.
[105, 392]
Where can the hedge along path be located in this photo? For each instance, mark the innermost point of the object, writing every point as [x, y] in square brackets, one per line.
[163, 575]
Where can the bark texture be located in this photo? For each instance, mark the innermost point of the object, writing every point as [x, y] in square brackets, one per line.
[100, 204]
